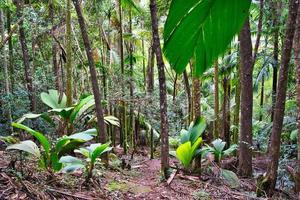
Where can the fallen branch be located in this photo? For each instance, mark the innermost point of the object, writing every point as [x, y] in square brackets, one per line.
[172, 177]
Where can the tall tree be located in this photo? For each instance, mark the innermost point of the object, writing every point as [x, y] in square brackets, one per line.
[26, 58]
[245, 140]
[6, 74]
[276, 26]
[96, 91]
[216, 100]
[162, 90]
[69, 73]
[274, 151]
[297, 70]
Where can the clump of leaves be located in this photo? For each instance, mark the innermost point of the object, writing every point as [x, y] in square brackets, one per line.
[48, 158]
[190, 141]
[91, 153]
[217, 149]
[61, 112]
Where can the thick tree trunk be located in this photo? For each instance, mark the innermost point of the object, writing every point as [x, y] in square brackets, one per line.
[6, 74]
[274, 152]
[216, 102]
[245, 140]
[69, 73]
[28, 73]
[99, 112]
[162, 91]
[297, 71]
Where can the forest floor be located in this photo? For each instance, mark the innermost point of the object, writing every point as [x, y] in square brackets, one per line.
[141, 181]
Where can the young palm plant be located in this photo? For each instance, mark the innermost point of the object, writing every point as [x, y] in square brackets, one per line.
[217, 149]
[91, 153]
[51, 154]
[190, 141]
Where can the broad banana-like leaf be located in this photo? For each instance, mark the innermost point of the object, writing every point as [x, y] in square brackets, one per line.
[51, 99]
[201, 29]
[99, 150]
[184, 153]
[27, 146]
[81, 107]
[39, 136]
[132, 4]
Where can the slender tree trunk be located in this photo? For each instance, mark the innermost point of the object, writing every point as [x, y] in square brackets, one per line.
[297, 70]
[28, 73]
[97, 95]
[262, 91]
[274, 152]
[150, 70]
[121, 47]
[226, 111]
[216, 99]
[236, 118]
[10, 50]
[188, 94]
[56, 67]
[69, 73]
[196, 98]
[6, 74]
[245, 140]
[162, 91]
[276, 16]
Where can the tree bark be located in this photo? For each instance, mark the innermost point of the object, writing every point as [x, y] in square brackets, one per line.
[28, 73]
[226, 112]
[97, 95]
[262, 91]
[69, 73]
[276, 16]
[236, 118]
[297, 71]
[245, 140]
[216, 101]
[10, 50]
[56, 66]
[6, 74]
[274, 152]
[162, 91]
[189, 96]
[150, 70]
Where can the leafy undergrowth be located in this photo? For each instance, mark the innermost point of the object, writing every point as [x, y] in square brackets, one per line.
[141, 181]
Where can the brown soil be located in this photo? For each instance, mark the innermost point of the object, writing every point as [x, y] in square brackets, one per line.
[142, 181]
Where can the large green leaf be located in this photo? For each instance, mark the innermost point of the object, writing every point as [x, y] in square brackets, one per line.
[44, 116]
[81, 107]
[98, 149]
[51, 99]
[184, 153]
[201, 29]
[132, 4]
[197, 129]
[27, 146]
[39, 136]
